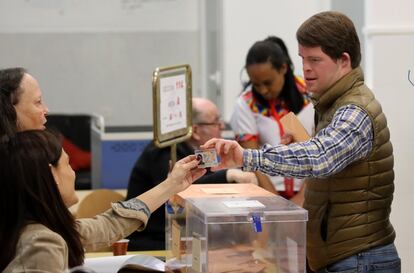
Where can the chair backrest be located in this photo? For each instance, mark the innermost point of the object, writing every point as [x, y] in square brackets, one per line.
[97, 202]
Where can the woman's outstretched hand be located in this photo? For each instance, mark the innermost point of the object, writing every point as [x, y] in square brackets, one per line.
[230, 152]
[185, 172]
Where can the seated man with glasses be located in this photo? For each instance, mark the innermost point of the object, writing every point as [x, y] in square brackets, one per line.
[145, 174]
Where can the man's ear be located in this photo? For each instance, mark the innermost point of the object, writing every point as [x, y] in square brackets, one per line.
[196, 133]
[345, 60]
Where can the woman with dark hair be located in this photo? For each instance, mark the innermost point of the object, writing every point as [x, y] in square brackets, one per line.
[21, 104]
[272, 92]
[37, 231]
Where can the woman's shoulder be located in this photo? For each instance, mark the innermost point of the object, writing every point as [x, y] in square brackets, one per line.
[37, 228]
[247, 100]
[246, 96]
[38, 232]
[243, 101]
[300, 84]
[39, 249]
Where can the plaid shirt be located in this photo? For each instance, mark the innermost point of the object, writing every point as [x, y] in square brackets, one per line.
[348, 138]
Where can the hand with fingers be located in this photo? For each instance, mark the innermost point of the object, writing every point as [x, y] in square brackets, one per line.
[185, 172]
[239, 176]
[230, 152]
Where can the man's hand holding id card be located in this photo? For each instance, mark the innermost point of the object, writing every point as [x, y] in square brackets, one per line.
[208, 158]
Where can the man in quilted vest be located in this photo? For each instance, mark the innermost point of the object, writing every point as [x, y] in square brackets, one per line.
[348, 163]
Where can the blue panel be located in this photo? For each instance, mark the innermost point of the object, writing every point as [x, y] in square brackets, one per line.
[118, 158]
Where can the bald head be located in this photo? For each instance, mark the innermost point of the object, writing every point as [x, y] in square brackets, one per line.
[206, 121]
[202, 108]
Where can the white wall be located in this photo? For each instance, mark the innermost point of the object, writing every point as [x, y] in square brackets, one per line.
[97, 15]
[97, 56]
[245, 22]
[389, 42]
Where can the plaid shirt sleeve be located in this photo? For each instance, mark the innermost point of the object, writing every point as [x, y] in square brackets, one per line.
[348, 138]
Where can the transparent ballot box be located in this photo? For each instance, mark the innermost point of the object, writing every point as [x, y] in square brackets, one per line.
[245, 234]
[175, 229]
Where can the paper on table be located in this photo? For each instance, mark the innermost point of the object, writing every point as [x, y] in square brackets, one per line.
[293, 126]
[129, 263]
[220, 190]
[109, 264]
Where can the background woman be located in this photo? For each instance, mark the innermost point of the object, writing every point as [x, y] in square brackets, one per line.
[272, 92]
[22, 108]
[21, 104]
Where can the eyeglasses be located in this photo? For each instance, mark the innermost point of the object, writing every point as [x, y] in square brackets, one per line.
[219, 123]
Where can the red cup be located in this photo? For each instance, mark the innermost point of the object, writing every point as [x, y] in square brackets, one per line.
[120, 247]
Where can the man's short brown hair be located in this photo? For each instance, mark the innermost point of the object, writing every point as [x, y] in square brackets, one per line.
[334, 32]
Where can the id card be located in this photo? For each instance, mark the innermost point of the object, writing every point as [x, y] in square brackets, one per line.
[208, 158]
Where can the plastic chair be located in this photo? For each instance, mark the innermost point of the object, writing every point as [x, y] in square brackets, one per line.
[97, 202]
